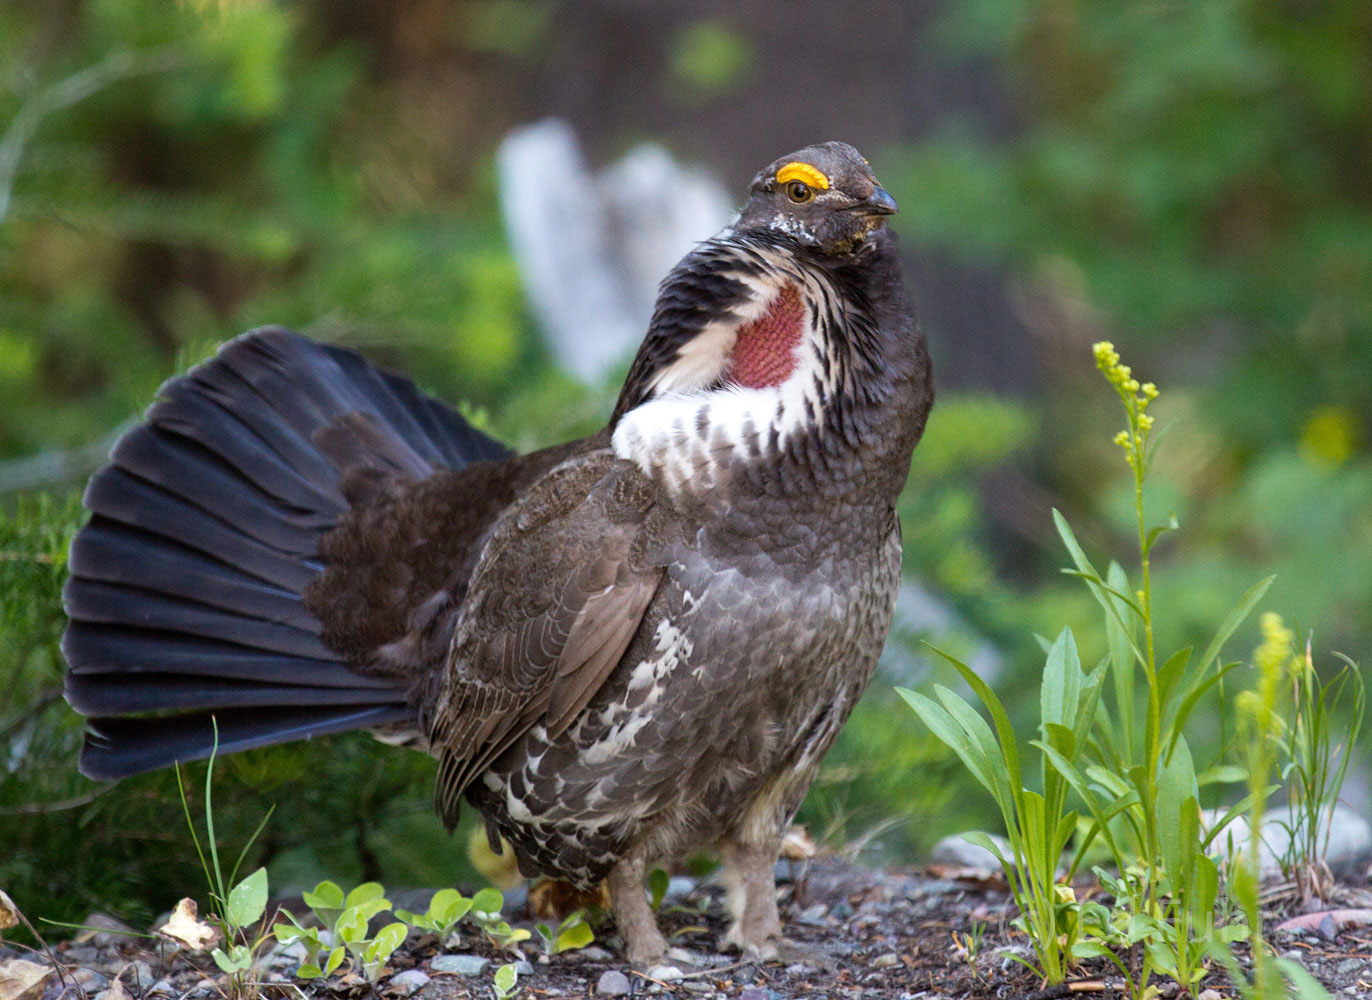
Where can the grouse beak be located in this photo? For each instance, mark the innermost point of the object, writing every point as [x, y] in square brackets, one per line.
[879, 202]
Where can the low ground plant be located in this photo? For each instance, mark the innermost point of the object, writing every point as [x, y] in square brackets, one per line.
[238, 908]
[1325, 719]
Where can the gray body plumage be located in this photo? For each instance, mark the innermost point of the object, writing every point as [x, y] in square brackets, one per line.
[757, 643]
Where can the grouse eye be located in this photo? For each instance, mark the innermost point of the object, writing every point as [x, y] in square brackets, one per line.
[799, 192]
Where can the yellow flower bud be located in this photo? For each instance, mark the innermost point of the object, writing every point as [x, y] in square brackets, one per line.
[1145, 421]
[1122, 439]
[1064, 893]
[1150, 390]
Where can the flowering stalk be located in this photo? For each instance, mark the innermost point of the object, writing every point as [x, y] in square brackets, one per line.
[1134, 440]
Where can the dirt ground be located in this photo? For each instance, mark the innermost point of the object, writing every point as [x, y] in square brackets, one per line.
[859, 933]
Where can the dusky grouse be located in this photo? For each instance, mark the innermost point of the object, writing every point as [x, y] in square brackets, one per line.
[619, 648]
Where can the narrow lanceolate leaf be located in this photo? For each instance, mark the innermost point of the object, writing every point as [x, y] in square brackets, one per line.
[1061, 687]
[1004, 731]
[1235, 618]
[943, 726]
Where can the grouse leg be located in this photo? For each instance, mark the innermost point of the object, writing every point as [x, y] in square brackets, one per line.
[643, 942]
[749, 873]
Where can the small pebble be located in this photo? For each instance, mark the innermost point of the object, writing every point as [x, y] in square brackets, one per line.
[595, 953]
[462, 965]
[753, 994]
[1328, 929]
[142, 973]
[888, 961]
[665, 973]
[683, 956]
[1349, 966]
[408, 982]
[1209, 995]
[696, 986]
[164, 987]
[524, 968]
[613, 983]
[799, 969]
[1294, 955]
[90, 980]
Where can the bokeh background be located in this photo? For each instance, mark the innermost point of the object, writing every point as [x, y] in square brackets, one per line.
[1191, 179]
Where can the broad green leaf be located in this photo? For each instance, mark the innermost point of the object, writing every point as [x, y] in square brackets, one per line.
[488, 901]
[248, 900]
[352, 926]
[365, 893]
[579, 935]
[449, 906]
[1307, 986]
[326, 896]
[981, 839]
[658, 881]
[308, 970]
[505, 978]
[389, 938]
[335, 960]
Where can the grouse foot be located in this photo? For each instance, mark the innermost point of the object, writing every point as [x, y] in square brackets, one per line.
[748, 873]
[644, 944]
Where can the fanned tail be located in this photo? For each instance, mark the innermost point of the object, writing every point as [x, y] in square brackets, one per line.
[187, 587]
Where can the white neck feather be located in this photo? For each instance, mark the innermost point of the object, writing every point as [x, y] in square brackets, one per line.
[686, 435]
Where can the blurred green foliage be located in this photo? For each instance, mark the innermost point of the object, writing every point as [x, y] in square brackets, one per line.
[1187, 179]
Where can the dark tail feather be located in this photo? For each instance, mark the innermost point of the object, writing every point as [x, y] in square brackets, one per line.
[186, 593]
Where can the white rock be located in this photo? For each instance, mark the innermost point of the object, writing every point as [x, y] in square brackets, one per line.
[959, 852]
[1350, 838]
[408, 982]
[613, 983]
[462, 965]
[665, 973]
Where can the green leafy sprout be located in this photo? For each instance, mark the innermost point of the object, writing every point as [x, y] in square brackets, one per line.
[238, 907]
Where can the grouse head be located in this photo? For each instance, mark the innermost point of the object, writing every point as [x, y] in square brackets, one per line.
[783, 350]
[824, 196]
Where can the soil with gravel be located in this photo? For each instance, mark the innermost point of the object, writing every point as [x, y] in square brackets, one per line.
[857, 933]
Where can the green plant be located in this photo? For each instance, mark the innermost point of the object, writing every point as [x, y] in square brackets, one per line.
[658, 881]
[485, 912]
[1038, 826]
[1262, 723]
[445, 912]
[503, 984]
[237, 906]
[968, 944]
[343, 931]
[574, 932]
[1128, 761]
[1316, 764]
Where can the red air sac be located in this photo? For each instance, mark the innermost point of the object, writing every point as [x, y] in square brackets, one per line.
[765, 350]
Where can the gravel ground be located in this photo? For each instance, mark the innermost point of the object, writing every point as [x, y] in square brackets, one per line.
[858, 932]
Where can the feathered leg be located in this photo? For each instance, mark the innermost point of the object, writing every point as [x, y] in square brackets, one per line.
[643, 942]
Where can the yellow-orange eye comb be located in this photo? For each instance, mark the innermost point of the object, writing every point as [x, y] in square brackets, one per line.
[798, 171]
